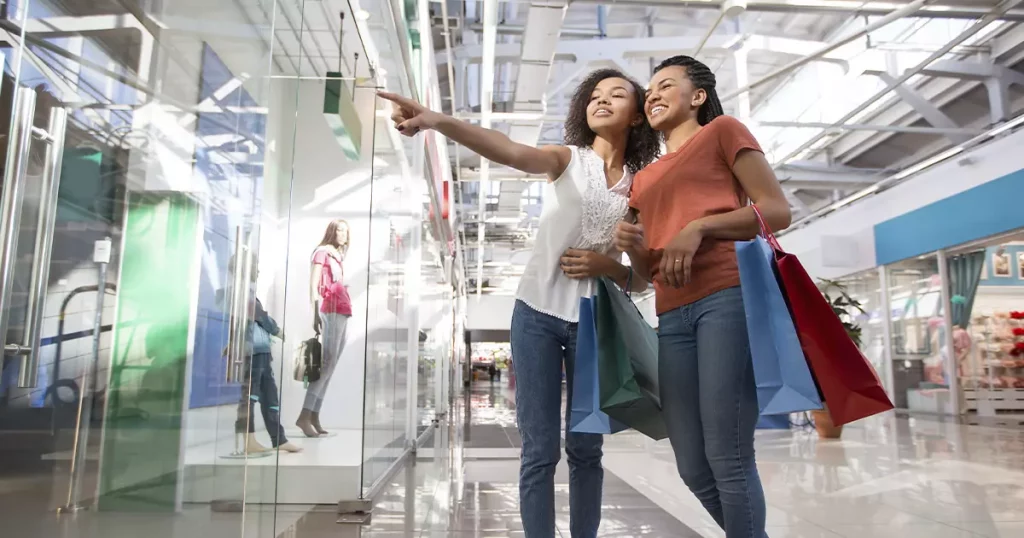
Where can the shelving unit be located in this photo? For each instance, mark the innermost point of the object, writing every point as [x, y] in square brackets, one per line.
[994, 381]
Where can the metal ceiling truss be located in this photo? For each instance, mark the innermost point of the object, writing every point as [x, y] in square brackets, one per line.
[812, 177]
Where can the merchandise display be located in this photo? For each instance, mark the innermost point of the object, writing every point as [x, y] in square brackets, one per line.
[999, 361]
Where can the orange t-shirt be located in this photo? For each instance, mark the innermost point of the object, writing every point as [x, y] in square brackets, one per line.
[693, 182]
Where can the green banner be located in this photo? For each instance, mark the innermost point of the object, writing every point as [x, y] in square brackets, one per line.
[142, 460]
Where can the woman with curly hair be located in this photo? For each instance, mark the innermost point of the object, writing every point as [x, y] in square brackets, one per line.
[607, 141]
[694, 203]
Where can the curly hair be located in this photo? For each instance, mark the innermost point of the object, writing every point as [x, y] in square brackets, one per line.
[643, 144]
[701, 77]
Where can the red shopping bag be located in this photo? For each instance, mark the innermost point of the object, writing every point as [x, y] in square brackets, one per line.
[849, 385]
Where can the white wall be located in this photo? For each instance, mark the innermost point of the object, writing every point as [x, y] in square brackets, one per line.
[848, 234]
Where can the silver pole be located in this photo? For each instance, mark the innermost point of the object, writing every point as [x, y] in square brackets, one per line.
[101, 255]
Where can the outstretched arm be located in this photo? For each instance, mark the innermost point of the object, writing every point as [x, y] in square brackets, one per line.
[411, 117]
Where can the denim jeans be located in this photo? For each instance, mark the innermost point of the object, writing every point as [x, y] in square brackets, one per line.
[335, 329]
[262, 389]
[709, 401]
[541, 344]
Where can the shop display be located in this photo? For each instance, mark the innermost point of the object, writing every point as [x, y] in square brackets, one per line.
[999, 360]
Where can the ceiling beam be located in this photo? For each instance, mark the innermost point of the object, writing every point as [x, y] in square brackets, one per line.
[1007, 49]
[646, 47]
[941, 9]
[812, 144]
[953, 131]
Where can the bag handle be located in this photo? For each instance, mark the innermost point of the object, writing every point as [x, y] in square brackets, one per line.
[766, 231]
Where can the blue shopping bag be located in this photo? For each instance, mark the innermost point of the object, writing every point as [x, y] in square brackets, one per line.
[784, 381]
[585, 415]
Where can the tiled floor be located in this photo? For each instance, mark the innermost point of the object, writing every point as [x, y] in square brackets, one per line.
[888, 477]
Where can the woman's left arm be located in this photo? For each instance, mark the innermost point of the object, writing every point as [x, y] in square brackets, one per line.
[758, 180]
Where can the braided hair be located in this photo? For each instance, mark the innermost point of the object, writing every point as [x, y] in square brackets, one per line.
[642, 146]
[701, 77]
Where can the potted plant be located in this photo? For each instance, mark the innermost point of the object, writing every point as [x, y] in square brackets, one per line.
[846, 308]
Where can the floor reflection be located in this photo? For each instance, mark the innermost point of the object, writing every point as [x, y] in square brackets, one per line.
[887, 477]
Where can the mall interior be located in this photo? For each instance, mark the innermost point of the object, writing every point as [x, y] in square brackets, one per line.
[172, 167]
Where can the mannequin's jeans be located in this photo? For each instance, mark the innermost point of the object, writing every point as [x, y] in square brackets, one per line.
[709, 401]
[333, 329]
[541, 345]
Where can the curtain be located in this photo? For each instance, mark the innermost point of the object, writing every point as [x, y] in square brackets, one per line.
[964, 275]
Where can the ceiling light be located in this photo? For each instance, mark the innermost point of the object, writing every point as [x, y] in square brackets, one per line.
[362, 15]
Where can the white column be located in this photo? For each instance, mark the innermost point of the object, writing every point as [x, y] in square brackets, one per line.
[947, 315]
[887, 374]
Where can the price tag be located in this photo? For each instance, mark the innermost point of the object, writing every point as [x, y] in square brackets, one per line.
[101, 251]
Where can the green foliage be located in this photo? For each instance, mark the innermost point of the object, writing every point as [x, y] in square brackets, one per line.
[844, 306]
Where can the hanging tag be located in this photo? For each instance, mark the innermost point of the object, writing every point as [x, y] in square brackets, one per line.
[101, 251]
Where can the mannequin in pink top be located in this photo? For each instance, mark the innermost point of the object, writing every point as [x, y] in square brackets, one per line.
[332, 307]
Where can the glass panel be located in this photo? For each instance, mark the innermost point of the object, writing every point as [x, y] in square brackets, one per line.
[918, 336]
[436, 331]
[866, 288]
[385, 437]
[130, 304]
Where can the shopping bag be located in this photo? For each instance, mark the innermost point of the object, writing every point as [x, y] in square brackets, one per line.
[784, 382]
[850, 387]
[585, 415]
[627, 354]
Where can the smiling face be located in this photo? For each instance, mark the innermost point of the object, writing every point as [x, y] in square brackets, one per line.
[612, 106]
[672, 98]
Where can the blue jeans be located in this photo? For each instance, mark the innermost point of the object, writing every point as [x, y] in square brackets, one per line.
[709, 401]
[262, 389]
[541, 344]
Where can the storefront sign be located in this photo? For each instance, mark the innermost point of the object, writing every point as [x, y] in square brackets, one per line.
[340, 113]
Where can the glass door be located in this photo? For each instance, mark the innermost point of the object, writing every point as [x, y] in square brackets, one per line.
[917, 317]
[129, 215]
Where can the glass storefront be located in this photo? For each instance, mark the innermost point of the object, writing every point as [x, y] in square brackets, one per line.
[171, 177]
[987, 296]
[916, 311]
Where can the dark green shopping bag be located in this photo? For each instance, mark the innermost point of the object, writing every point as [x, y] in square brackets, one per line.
[627, 362]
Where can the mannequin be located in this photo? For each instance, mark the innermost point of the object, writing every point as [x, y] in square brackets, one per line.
[332, 307]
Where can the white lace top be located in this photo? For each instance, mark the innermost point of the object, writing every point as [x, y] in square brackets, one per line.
[580, 211]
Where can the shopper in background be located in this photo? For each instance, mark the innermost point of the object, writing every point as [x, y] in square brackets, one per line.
[608, 140]
[692, 205]
[258, 385]
[332, 308]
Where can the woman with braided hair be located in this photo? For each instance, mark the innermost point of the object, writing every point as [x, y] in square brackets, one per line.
[691, 206]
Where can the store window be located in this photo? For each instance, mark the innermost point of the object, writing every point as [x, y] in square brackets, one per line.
[918, 345]
[987, 296]
[866, 289]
